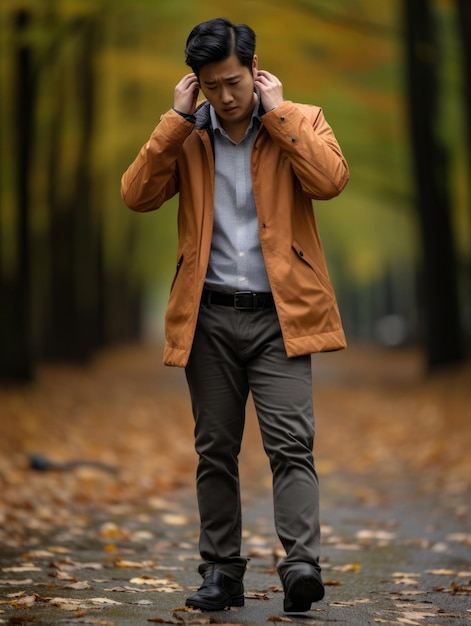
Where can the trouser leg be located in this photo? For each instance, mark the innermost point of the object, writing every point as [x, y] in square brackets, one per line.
[218, 388]
[282, 393]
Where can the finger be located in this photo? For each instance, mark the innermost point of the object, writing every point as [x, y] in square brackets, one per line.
[264, 74]
[188, 80]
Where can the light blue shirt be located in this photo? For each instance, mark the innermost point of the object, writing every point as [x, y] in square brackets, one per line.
[236, 260]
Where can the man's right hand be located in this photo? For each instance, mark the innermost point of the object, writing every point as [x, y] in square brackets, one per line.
[186, 94]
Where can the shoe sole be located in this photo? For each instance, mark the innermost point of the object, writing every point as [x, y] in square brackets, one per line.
[305, 591]
[208, 606]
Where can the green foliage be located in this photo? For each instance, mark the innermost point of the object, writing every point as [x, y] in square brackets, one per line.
[344, 56]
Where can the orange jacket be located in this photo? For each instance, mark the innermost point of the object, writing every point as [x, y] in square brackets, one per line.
[295, 158]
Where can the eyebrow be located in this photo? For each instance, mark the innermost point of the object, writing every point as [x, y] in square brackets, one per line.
[228, 79]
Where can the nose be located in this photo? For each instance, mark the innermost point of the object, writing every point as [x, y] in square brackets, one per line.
[226, 95]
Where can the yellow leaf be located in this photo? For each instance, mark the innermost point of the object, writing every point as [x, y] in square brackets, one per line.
[110, 547]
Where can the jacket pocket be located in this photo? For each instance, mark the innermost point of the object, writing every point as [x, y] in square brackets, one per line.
[321, 277]
[177, 271]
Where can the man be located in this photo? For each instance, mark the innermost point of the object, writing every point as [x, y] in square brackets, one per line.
[251, 299]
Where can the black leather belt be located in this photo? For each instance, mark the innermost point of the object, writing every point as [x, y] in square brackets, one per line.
[240, 300]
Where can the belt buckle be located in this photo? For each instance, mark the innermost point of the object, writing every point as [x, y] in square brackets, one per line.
[244, 300]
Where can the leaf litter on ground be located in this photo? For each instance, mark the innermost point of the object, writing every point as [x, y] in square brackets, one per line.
[125, 410]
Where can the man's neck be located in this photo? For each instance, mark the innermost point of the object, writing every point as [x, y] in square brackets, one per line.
[237, 130]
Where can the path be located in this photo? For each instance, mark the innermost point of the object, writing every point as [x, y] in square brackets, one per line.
[85, 547]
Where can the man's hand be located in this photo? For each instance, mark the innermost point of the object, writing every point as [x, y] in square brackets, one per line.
[271, 89]
[186, 94]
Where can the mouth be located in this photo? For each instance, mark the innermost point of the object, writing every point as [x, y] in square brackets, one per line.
[230, 110]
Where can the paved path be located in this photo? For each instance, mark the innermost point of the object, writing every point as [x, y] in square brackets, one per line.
[398, 559]
[396, 544]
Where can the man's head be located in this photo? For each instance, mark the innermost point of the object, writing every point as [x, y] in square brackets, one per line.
[216, 40]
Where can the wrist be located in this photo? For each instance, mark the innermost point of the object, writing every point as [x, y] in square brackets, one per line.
[189, 117]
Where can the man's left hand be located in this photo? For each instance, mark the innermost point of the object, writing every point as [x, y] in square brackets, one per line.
[271, 89]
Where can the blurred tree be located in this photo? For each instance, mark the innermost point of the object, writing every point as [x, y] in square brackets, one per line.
[81, 271]
[441, 323]
[464, 27]
[15, 281]
[75, 322]
[72, 308]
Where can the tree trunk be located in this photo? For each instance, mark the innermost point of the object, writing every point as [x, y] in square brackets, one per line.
[439, 303]
[15, 282]
[88, 254]
[76, 319]
[464, 26]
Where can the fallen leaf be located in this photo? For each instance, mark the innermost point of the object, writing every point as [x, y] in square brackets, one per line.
[460, 538]
[175, 520]
[25, 601]
[79, 585]
[23, 583]
[341, 603]
[348, 567]
[406, 581]
[256, 595]
[45, 553]
[18, 594]
[160, 584]
[133, 564]
[456, 589]
[375, 535]
[110, 530]
[63, 576]
[70, 604]
[21, 568]
[409, 592]
[110, 547]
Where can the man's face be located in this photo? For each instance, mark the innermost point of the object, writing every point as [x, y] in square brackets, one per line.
[229, 87]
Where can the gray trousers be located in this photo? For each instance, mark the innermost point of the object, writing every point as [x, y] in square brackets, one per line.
[235, 352]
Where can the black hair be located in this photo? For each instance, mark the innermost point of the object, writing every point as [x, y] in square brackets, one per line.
[215, 40]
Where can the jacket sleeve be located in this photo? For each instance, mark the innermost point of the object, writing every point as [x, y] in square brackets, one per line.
[303, 133]
[152, 178]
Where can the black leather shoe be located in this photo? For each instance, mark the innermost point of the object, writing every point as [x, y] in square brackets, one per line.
[218, 592]
[303, 586]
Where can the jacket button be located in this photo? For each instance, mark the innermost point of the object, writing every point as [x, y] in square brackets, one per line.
[301, 253]
[282, 118]
[293, 139]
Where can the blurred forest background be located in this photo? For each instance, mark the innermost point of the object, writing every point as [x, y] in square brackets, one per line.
[84, 82]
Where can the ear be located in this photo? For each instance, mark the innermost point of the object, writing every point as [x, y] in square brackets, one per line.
[255, 65]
